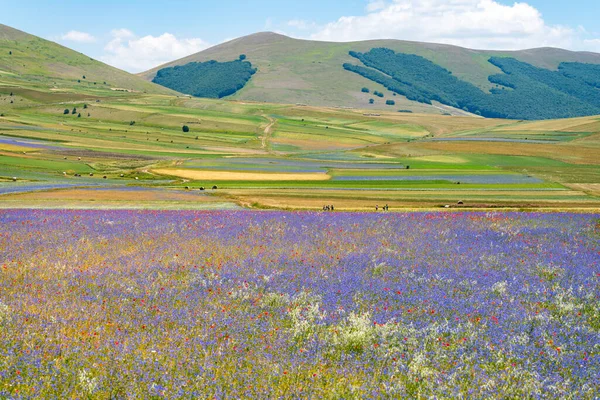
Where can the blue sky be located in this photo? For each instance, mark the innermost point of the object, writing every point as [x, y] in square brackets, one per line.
[136, 35]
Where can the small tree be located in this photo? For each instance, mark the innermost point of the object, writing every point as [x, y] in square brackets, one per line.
[365, 90]
[74, 111]
[84, 106]
[185, 129]
[390, 103]
[371, 101]
[79, 115]
[10, 53]
[242, 57]
[66, 111]
[83, 77]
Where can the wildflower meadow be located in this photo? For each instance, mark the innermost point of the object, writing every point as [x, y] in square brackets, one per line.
[241, 304]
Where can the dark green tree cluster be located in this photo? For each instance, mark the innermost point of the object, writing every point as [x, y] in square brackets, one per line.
[185, 128]
[523, 91]
[365, 90]
[589, 73]
[378, 94]
[210, 79]
[390, 102]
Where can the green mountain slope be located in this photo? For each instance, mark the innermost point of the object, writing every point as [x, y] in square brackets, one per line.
[522, 91]
[312, 73]
[30, 61]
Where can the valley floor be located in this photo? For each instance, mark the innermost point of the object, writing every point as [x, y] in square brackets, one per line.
[128, 150]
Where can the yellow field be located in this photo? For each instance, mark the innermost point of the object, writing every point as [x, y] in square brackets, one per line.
[198, 175]
[13, 148]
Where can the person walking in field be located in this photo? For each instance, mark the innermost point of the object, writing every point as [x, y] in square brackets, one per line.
[377, 207]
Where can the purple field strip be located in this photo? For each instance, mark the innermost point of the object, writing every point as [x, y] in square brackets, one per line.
[185, 304]
[31, 143]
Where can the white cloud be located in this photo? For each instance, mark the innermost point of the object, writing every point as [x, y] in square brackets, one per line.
[484, 24]
[79, 37]
[375, 5]
[592, 44]
[136, 54]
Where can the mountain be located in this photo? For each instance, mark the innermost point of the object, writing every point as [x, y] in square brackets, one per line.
[312, 72]
[30, 61]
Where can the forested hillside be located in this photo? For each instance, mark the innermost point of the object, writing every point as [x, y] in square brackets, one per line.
[522, 91]
[209, 79]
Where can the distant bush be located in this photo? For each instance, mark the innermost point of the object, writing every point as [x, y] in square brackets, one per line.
[185, 128]
[74, 111]
[242, 57]
[365, 90]
[378, 94]
[405, 111]
[132, 123]
[210, 79]
[371, 101]
[390, 103]
[67, 111]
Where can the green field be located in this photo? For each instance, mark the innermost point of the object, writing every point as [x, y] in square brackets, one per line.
[406, 160]
[74, 142]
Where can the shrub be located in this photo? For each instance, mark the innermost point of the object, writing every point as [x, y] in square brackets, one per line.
[185, 128]
[390, 103]
[371, 101]
[365, 90]
[67, 111]
[242, 57]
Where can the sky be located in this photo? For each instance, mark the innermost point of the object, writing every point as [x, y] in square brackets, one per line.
[137, 35]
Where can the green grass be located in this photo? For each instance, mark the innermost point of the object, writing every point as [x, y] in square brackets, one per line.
[336, 142]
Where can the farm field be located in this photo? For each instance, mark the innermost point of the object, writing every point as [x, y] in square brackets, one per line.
[298, 304]
[262, 155]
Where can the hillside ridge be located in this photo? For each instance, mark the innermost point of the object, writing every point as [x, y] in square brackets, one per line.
[292, 71]
[28, 60]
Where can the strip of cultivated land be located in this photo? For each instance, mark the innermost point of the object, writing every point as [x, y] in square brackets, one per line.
[96, 149]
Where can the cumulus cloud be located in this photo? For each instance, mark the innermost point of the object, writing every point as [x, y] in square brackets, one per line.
[485, 24]
[375, 5]
[135, 54]
[79, 37]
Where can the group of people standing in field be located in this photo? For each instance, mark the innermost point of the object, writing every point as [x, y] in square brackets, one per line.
[332, 208]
